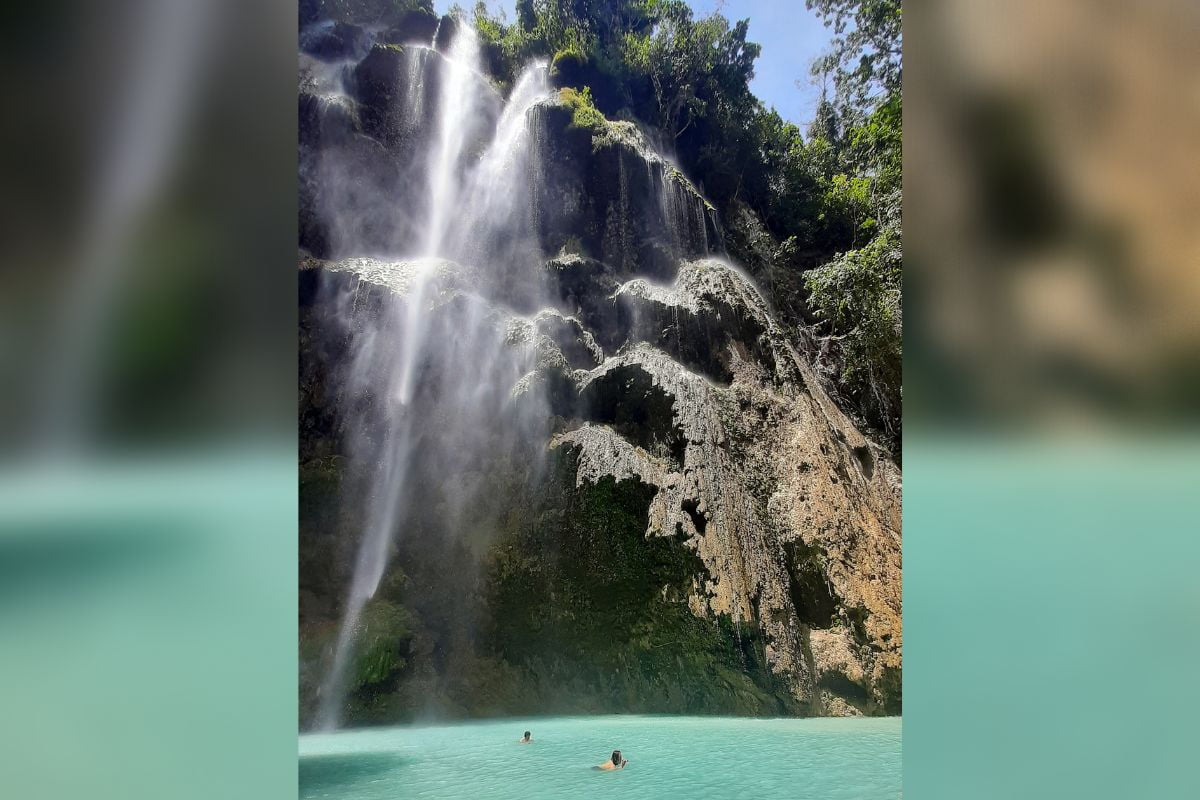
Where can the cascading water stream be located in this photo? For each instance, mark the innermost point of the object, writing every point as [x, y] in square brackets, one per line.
[497, 200]
[456, 107]
[472, 200]
[488, 199]
[368, 570]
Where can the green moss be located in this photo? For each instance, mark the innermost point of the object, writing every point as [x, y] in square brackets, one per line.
[384, 631]
[568, 60]
[591, 616]
[584, 114]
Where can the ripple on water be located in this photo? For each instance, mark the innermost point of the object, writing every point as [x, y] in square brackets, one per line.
[692, 757]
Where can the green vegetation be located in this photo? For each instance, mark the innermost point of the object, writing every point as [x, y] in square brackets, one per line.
[384, 631]
[571, 609]
[829, 196]
[591, 616]
[858, 292]
[569, 58]
[584, 113]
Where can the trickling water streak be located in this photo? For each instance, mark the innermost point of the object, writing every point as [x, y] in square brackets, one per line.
[368, 570]
[710, 216]
[684, 214]
[624, 235]
[697, 217]
[414, 89]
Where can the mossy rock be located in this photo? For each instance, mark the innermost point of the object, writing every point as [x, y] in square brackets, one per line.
[572, 68]
[381, 642]
[446, 31]
[416, 27]
[334, 41]
[584, 114]
[379, 88]
[324, 121]
[568, 68]
[593, 614]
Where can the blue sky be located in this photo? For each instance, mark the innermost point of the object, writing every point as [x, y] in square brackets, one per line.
[790, 35]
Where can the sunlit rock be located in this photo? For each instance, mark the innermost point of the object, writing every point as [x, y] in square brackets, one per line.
[562, 444]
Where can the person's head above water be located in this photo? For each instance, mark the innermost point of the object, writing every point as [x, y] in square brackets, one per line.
[527, 735]
[616, 758]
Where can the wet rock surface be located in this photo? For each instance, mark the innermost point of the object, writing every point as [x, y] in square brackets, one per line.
[332, 41]
[688, 523]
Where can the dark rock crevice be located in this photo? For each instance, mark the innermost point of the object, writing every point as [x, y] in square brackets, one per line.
[628, 400]
[815, 603]
[691, 507]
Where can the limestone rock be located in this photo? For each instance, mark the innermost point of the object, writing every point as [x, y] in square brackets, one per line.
[330, 41]
[656, 408]
[610, 193]
[415, 27]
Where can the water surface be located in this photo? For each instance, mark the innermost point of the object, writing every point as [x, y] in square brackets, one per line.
[684, 757]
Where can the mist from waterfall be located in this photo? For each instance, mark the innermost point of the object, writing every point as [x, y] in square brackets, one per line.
[450, 320]
[431, 383]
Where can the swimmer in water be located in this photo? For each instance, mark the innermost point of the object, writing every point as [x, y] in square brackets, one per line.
[616, 762]
[526, 739]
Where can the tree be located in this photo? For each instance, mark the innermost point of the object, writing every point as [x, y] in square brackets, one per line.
[858, 292]
[865, 54]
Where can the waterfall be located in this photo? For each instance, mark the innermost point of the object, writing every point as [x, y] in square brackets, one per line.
[428, 383]
[685, 215]
[474, 208]
[456, 114]
[138, 148]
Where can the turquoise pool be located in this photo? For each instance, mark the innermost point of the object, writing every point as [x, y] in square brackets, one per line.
[670, 757]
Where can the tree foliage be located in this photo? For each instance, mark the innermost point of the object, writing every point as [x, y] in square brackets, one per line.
[858, 293]
[864, 56]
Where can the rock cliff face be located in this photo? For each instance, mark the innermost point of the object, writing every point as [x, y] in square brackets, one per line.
[663, 510]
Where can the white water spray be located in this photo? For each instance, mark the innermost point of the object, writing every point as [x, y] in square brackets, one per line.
[433, 380]
[470, 203]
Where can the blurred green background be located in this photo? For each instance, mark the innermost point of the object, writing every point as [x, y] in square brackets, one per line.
[147, 415]
[147, 560]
